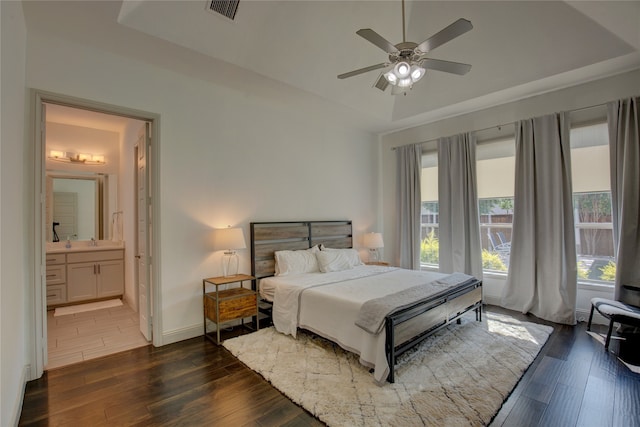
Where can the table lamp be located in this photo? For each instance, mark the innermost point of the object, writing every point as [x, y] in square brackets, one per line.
[230, 240]
[373, 241]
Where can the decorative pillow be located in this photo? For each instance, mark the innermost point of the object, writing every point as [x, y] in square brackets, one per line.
[351, 255]
[333, 261]
[296, 262]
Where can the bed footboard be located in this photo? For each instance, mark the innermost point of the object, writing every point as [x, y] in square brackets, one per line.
[410, 326]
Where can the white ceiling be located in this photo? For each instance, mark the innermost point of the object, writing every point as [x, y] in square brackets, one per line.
[516, 48]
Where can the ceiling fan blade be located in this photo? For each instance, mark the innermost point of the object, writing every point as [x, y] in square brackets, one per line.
[381, 83]
[362, 70]
[446, 66]
[375, 38]
[449, 33]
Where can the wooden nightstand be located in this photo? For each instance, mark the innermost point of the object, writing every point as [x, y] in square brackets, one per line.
[386, 264]
[222, 306]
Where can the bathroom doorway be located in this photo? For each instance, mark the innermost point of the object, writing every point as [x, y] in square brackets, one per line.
[86, 140]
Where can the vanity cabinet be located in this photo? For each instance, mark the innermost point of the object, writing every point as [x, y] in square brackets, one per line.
[95, 275]
[56, 279]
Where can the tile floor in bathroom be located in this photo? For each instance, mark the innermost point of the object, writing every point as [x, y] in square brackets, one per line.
[82, 336]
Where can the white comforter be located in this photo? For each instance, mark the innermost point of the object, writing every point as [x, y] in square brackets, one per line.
[328, 304]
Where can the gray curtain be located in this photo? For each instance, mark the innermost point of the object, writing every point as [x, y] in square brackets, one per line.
[409, 205]
[460, 249]
[542, 265]
[624, 156]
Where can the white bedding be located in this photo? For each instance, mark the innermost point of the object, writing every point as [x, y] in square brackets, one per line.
[328, 304]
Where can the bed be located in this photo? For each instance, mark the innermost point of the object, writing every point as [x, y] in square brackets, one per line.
[377, 312]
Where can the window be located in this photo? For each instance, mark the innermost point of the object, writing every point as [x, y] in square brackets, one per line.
[495, 178]
[496, 175]
[592, 203]
[429, 245]
[496, 221]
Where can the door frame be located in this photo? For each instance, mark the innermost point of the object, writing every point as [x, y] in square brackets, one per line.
[37, 244]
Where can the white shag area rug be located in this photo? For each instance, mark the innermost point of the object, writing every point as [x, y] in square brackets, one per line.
[81, 308]
[459, 376]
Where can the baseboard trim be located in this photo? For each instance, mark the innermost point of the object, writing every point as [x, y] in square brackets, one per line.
[582, 315]
[598, 319]
[182, 334]
[192, 331]
[491, 299]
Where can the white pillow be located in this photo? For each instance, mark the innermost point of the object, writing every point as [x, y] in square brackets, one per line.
[296, 262]
[333, 261]
[351, 255]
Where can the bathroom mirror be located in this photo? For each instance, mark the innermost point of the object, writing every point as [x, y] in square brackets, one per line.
[76, 205]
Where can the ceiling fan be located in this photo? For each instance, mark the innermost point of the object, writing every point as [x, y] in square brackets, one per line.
[407, 60]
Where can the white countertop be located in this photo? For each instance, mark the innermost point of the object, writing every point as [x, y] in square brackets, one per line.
[82, 246]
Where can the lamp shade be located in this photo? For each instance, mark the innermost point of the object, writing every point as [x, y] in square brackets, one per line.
[373, 241]
[229, 239]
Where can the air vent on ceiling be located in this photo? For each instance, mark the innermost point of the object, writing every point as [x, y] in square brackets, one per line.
[227, 8]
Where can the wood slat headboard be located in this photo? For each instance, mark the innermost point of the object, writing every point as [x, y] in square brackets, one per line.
[269, 237]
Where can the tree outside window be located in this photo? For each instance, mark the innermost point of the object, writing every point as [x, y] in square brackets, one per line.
[496, 218]
[594, 236]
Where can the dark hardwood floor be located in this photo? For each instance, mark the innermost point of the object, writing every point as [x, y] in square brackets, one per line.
[572, 382]
[575, 382]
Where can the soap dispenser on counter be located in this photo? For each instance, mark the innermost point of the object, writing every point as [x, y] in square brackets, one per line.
[68, 244]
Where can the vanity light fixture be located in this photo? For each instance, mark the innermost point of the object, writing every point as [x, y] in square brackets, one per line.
[229, 239]
[83, 158]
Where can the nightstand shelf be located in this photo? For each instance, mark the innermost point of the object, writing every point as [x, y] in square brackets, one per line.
[222, 306]
[266, 308]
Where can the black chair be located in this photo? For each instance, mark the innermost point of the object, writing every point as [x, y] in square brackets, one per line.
[615, 311]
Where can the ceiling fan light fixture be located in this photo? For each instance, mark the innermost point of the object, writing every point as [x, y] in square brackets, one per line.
[406, 82]
[404, 75]
[399, 74]
[417, 72]
[391, 78]
[402, 70]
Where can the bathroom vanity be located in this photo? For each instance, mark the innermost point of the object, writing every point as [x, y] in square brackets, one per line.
[84, 273]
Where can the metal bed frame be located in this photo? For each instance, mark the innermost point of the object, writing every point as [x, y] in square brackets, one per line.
[405, 328]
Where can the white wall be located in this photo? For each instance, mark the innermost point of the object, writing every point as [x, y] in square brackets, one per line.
[576, 97]
[15, 270]
[227, 157]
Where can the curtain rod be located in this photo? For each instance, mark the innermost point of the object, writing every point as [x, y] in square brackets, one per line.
[499, 127]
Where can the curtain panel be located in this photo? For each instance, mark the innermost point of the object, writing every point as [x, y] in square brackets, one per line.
[460, 248]
[623, 118]
[542, 277]
[409, 162]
